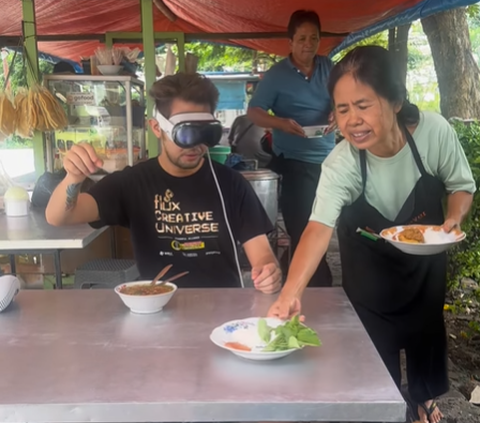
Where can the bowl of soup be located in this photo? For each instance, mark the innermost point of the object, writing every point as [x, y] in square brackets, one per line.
[143, 298]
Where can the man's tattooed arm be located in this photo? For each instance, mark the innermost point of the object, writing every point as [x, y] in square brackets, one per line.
[72, 194]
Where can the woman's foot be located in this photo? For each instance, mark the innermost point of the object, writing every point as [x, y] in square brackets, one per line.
[429, 412]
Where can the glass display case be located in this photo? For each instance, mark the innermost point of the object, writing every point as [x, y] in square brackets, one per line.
[106, 111]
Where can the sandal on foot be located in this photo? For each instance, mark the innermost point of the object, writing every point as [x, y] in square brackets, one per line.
[428, 410]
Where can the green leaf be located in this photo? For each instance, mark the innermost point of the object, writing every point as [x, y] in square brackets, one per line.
[279, 343]
[293, 342]
[295, 323]
[287, 332]
[307, 336]
[292, 334]
[292, 327]
[264, 331]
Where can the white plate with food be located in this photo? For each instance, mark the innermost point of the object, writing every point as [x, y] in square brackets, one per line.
[144, 298]
[264, 339]
[315, 131]
[422, 240]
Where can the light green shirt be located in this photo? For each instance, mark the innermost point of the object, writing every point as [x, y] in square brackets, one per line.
[391, 180]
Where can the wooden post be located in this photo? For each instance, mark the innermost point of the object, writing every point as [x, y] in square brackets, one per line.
[33, 75]
[148, 35]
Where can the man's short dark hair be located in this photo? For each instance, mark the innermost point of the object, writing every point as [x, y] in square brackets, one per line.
[193, 88]
[299, 17]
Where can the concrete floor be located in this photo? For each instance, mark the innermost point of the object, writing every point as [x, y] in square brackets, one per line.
[333, 259]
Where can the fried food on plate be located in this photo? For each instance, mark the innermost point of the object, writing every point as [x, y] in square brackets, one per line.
[412, 236]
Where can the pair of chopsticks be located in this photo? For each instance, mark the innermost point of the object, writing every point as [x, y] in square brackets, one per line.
[368, 234]
[163, 272]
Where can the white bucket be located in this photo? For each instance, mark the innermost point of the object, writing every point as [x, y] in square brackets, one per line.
[16, 208]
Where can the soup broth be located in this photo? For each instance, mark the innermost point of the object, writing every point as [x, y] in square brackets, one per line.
[146, 289]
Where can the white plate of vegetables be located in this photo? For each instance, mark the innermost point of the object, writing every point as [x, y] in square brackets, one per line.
[262, 339]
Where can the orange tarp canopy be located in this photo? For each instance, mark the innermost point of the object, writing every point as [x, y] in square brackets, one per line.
[57, 17]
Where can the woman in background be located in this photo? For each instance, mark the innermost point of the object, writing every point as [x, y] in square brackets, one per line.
[295, 90]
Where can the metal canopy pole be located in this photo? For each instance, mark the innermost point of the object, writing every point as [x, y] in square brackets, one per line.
[33, 74]
[148, 36]
[125, 37]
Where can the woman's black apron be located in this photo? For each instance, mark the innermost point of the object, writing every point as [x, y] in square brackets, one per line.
[399, 297]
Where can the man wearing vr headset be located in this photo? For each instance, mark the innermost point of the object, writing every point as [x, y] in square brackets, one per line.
[172, 203]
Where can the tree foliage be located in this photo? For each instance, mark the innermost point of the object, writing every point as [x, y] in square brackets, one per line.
[464, 260]
[459, 76]
[218, 57]
[18, 74]
[380, 39]
[473, 17]
[473, 12]
[214, 57]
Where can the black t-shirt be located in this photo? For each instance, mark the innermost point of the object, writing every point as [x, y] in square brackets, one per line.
[180, 221]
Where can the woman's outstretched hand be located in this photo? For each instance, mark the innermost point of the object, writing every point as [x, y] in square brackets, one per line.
[285, 307]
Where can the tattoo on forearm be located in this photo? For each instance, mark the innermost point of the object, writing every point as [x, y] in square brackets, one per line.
[72, 194]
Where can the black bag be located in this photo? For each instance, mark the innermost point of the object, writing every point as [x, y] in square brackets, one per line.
[266, 145]
[44, 188]
[47, 183]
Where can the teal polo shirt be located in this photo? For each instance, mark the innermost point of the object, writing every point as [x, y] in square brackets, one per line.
[286, 91]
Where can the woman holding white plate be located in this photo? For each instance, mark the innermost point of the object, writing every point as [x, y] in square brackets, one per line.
[295, 90]
[395, 167]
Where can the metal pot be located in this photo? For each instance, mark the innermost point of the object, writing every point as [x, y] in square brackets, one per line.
[265, 185]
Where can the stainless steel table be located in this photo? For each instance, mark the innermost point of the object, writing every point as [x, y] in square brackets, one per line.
[33, 235]
[81, 356]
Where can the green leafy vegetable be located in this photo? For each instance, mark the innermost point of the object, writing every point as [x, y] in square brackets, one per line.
[279, 343]
[307, 336]
[293, 342]
[292, 334]
[264, 331]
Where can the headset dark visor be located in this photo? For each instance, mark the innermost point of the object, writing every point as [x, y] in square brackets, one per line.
[188, 130]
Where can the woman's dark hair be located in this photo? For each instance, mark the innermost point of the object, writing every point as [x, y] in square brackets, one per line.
[374, 66]
[300, 17]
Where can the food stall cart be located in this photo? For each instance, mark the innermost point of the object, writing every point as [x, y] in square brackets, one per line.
[106, 111]
[81, 356]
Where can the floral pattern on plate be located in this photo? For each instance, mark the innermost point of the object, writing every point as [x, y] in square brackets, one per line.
[238, 326]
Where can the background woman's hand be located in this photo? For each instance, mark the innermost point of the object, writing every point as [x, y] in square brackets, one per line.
[285, 307]
[267, 278]
[332, 124]
[291, 127]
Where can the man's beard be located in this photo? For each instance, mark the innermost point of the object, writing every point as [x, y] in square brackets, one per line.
[182, 165]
